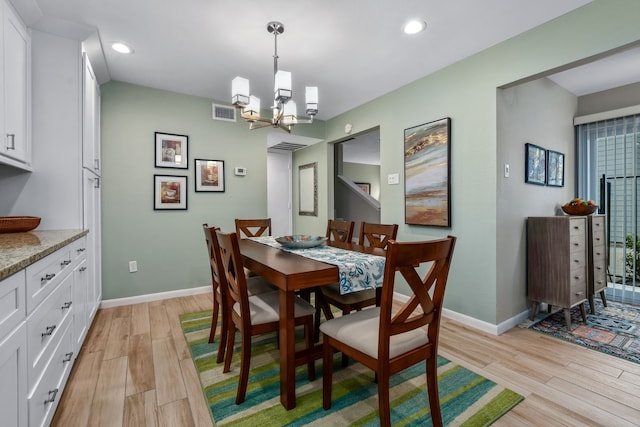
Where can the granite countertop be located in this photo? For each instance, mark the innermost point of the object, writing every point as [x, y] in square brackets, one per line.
[19, 250]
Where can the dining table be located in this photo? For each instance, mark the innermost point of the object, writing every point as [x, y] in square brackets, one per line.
[291, 272]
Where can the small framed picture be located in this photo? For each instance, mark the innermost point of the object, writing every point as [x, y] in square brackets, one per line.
[209, 175]
[169, 192]
[171, 150]
[535, 164]
[555, 168]
[365, 186]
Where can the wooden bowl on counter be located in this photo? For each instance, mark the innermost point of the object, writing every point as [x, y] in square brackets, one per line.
[579, 209]
[18, 224]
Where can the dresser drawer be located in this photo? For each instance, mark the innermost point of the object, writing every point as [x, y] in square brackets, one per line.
[12, 306]
[44, 398]
[45, 326]
[44, 275]
[578, 285]
[577, 226]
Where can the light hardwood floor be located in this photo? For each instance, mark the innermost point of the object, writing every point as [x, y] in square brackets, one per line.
[135, 370]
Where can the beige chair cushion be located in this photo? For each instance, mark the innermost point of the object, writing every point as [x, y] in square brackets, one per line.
[333, 291]
[360, 330]
[265, 309]
[256, 285]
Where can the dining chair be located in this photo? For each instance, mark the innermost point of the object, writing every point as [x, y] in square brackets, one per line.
[340, 231]
[253, 227]
[371, 234]
[256, 314]
[389, 341]
[255, 285]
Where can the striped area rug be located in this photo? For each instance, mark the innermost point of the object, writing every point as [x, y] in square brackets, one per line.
[467, 399]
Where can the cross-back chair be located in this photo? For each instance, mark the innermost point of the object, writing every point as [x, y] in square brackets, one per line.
[253, 227]
[255, 285]
[340, 231]
[389, 341]
[254, 315]
[374, 235]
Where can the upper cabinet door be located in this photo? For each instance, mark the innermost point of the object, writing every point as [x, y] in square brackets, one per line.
[91, 118]
[16, 142]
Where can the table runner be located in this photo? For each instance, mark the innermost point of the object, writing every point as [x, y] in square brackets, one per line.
[358, 271]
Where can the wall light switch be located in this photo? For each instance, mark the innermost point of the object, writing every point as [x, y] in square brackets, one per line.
[393, 178]
[506, 170]
[133, 266]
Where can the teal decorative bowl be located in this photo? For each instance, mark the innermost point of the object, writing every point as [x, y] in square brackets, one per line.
[301, 241]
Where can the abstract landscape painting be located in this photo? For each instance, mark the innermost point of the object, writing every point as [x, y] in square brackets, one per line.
[426, 173]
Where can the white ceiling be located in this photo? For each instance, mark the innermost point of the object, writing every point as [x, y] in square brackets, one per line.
[353, 50]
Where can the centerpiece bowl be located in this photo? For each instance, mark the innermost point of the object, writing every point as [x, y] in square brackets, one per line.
[301, 241]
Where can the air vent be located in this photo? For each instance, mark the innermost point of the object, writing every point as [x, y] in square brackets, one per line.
[224, 112]
[288, 146]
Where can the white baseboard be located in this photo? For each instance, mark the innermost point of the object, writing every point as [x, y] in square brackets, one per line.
[476, 323]
[154, 297]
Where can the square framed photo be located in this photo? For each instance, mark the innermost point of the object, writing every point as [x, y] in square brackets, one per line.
[209, 175]
[172, 150]
[169, 192]
[555, 168]
[365, 186]
[535, 164]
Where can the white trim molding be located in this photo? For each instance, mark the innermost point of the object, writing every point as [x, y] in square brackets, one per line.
[154, 297]
[606, 115]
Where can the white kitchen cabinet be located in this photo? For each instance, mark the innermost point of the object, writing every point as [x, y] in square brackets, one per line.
[80, 312]
[13, 351]
[91, 197]
[91, 118]
[15, 149]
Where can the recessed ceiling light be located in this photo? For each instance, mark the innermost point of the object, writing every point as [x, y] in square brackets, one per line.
[121, 47]
[414, 27]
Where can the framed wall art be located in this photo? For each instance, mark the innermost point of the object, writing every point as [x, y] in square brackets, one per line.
[365, 186]
[308, 189]
[535, 164]
[169, 192]
[209, 175]
[427, 168]
[171, 150]
[555, 168]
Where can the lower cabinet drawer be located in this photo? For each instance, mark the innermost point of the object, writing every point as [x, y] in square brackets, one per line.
[44, 398]
[45, 327]
[12, 310]
[44, 275]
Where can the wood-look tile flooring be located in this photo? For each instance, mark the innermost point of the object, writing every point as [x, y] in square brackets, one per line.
[135, 370]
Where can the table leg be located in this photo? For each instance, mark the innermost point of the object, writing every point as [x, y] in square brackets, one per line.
[287, 350]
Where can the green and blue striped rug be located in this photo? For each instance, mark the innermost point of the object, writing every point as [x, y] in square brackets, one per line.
[467, 399]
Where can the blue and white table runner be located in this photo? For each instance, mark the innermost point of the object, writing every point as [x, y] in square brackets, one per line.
[358, 271]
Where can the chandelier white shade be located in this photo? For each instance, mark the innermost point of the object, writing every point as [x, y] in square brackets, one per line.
[285, 113]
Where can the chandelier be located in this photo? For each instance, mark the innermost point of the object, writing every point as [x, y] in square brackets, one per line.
[284, 108]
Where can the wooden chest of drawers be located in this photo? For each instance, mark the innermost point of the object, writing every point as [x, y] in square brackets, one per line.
[557, 263]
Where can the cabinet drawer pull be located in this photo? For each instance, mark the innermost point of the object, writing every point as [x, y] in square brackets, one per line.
[11, 137]
[598, 268]
[80, 250]
[65, 263]
[52, 396]
[579, 294]
[83, 268]
[96, 163]
[66, 305]
[600, 282]
[48, 331]
[67, 357]
[47, 277]
[97, 183]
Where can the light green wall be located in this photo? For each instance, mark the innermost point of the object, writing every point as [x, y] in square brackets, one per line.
[169, 245]
[359, 172]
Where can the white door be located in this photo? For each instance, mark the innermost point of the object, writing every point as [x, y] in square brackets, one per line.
[279, 192]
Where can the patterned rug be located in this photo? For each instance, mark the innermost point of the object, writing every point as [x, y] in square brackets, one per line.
[466, 398]
[613, 330]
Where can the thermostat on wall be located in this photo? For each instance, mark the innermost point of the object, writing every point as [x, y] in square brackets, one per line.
[240, 171]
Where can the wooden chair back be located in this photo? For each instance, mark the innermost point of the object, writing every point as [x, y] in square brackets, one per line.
[377, 235]
[340, 231]
[233, 271]
[214, 255]
[253, 227]
[424, 307]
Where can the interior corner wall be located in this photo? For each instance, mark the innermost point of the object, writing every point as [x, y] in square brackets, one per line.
[541, 113]
[608, 100]
[359, 172]
[169, 245]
